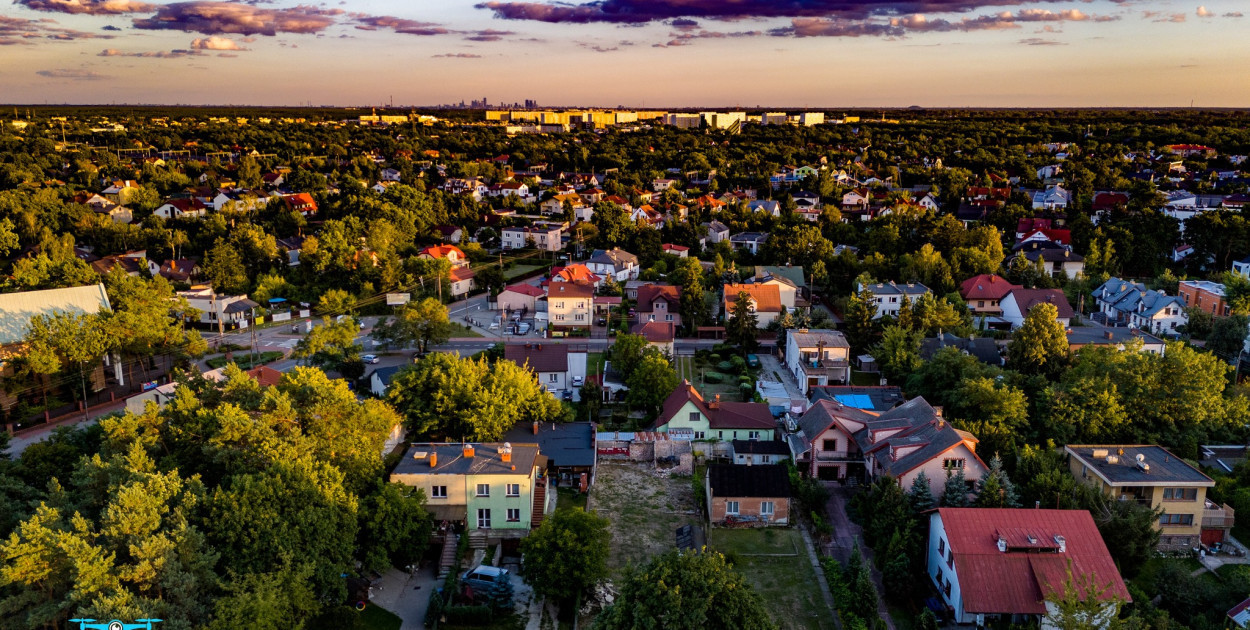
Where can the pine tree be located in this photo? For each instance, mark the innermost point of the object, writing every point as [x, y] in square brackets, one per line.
[921, 493]
[955, 492]
[995, 489]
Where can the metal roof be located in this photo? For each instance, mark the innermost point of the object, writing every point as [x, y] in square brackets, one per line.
[17, 309]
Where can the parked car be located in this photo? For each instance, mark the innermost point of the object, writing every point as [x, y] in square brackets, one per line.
[370, 358]
[753, 361]
[567, 395]
[523, 328]
[578, 381]
[603, 321]
[484, 577]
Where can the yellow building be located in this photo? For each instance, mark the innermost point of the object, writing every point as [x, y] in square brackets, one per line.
[1150, 475]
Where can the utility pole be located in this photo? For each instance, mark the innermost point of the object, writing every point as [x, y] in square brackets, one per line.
[253, 329]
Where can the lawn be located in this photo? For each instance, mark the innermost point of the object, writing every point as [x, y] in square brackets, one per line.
[520, 270]
[244, 359]
[865, 378]
[694, 370]
[460, 330]
[569, 499]
[780, 571]
[645, 511]
[594, 363]
[379, 618]
[1146, 577]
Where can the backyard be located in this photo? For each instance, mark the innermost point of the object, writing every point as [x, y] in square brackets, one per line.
[645, 511]
[776, 564]
[712, 376]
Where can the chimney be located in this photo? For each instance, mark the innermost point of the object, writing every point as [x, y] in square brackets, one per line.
[433, 459]
[505, 453]
[1107, 334]
[1062, 542]
[468, 450]
[1002, 544]
[535, 427]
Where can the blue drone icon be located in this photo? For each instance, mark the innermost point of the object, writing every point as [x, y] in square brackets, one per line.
[92, 624]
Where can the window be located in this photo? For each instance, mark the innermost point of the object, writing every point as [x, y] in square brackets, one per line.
[514, 515]
[829, 445]
[946, 588]
[1180, 494]
[483, 518]
[766, 508]
[753, 435]
[514, 489]
[950, 560]
[483, 489]
[1176, 519]
[980, 303]
[720, 435]
[698, 435]
[937, 576]
[731, 507]
[941, 546]
[553, 377]
[766, 459]
[438, 492]
[694, 417]
[559, 304]
[668, 318]
[952, 463]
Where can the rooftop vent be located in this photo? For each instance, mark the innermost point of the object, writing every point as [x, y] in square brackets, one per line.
[505, 453]
[1062, 542]
[1141, 463]
[1002, 545]
[468, 450]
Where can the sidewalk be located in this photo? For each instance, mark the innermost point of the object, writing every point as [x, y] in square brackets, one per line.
[38, 433]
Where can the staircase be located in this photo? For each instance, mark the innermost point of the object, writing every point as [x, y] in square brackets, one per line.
[540, 504]
[477, 539]
[450, 543]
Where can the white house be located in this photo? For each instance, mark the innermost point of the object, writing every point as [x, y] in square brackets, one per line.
[1018, 302]
[544, 238]
[750, 241]
[555, 365]
[818, 357]
[1130, 303]
[220, 311]
[614, 263]
[1053, 198]
[889, 296]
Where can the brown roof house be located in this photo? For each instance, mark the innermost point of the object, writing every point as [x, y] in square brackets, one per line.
[659, 303]
[685, 415]
[765, 301]
[1018, 302]
[758, 496]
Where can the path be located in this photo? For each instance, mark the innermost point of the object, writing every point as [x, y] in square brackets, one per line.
[820, 577]
[847, 535]
[405, 594]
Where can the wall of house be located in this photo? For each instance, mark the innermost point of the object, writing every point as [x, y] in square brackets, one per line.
[498, 502]
[749, 507]
[681, 420]
[755, 459]
[515, 301]
[455, 487]
[1172, 537]
[569, 312]
[847, 450]
[553, 381]
[742, 434]
[933, 469]
[941, 568]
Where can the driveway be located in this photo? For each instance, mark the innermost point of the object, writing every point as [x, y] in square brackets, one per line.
[771, 369]
[406, 595]
[846, 537]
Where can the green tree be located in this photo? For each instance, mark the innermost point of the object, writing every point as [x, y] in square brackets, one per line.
[694, 308]
[651, 381]
[330, 345]
[626, 353]
[686, 591]
[274, 600]
[995, 488]
[955, 491]
[567, 554]
[79, 339]
[335, 302]
[742, 328]
[898, 353]
[862, 328]
[1081, 603]
[920, 496]
[394, 526]
[1040, 345]
[423, 323]
[223, 266]
[1228, 336]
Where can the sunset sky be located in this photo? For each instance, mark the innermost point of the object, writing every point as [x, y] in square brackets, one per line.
[636, 53]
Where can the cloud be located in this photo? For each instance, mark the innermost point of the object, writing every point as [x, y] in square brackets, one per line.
[457, 56]
[399, 25]
[919, 23]
[1204, 13]
[16, 30]
[683, 24]
[1038, 41]
[109, 27]
[89, 7]
[158, 54]
[642, 11]
[214, 18]
[1233, 14]
[74, 74]
[488, 35]
[215, 43]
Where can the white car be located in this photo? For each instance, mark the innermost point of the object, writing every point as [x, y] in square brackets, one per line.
[370, 358]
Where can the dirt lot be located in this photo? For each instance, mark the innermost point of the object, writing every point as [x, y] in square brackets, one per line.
[645, 509]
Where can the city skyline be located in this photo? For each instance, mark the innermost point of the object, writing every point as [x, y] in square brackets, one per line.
[667, 53]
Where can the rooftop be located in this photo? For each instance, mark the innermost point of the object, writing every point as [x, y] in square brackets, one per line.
[565, 444]
[1119, 465]
[539, 357]
[486, 460]
[17, 309]
[760, 447]
[768, 481]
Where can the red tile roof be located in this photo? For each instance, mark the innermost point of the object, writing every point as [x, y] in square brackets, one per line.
[1018, 580]
[767, 296]
[525, 289]
[570, 289]
[655, 332]
[575, 273]
[647, 295]
[719, 415]
[985, 287]
[265, 375]
[441, 251]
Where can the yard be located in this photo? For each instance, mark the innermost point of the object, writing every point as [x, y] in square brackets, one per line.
[697, 372]
[645, 511]
[521, 270]
[776, 564]
[460, 330]
[244, 360]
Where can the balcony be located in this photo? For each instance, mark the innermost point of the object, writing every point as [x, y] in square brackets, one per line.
[1217, 516]
[839, 456]
[837, 369]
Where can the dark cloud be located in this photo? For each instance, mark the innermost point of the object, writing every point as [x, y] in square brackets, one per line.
[75, 74]
[109, 27]
[457, 56]
[89, 7]
[683, 24]
[641, 11]
[158, 54]
[901, 26]
[214, 18]
[15, 30]
[399, 25]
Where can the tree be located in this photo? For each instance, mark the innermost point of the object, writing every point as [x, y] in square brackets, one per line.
[335, 302]
[224, 267]
[567, 554]
[394, 526]
[1228, 336]
[995, 488]
[8, 238]
[862, 328]
[626, 353]
[920, 496]
[330, 345]
[424, 323]
[651, 381]
[686, 591]
[689, 276]
[898, 353]
[79, 339]
[1040, 345]
[742, 329]
[955, 492]
[1081, 603]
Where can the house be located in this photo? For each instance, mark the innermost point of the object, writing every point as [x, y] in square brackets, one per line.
[1239, 615]
[680, 251]
[450, 233]
[984, 349]
[1013, 563]
[555, 205]
[120, 191]
[788, 281]
[662, 335]
[756, 495]
[818, 357]
[750, 241]
[513, 189]
[132, 264]
[983, 293]
[380, 379]
[838, 442]
[302, 203]
[389, 175]
[17, 309]
[766, 206]
[758, 452]
[520, 297]
[460, 276]
[1054, 258]
[661, 185]
[1129, 303]
[1153, 476]
[180, 270]
[889, 296]
[1204, 295]
[875, 398]
[555, 365]
[292, 246]
[716, 231]
[498, 490]
[659, 303]
[1053, 198]
[570, 448]
[614, 263]
[1018, 302]
[765, 301]
[1119, 338]
[686, 416]
[219, 311]
[544, 238]
[570, 304]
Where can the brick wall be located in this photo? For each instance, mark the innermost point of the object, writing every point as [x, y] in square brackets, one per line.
[749, 507]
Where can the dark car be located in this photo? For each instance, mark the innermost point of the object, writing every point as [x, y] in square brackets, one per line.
[485, 577]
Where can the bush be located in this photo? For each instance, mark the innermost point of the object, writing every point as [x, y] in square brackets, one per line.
[713, 377]
[725, 366]
[469, 615]
[747, 391]
[738, 362]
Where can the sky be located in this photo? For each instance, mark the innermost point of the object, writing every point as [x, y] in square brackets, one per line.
[819, 54]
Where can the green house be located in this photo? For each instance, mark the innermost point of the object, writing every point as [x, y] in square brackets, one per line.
[686, 415]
